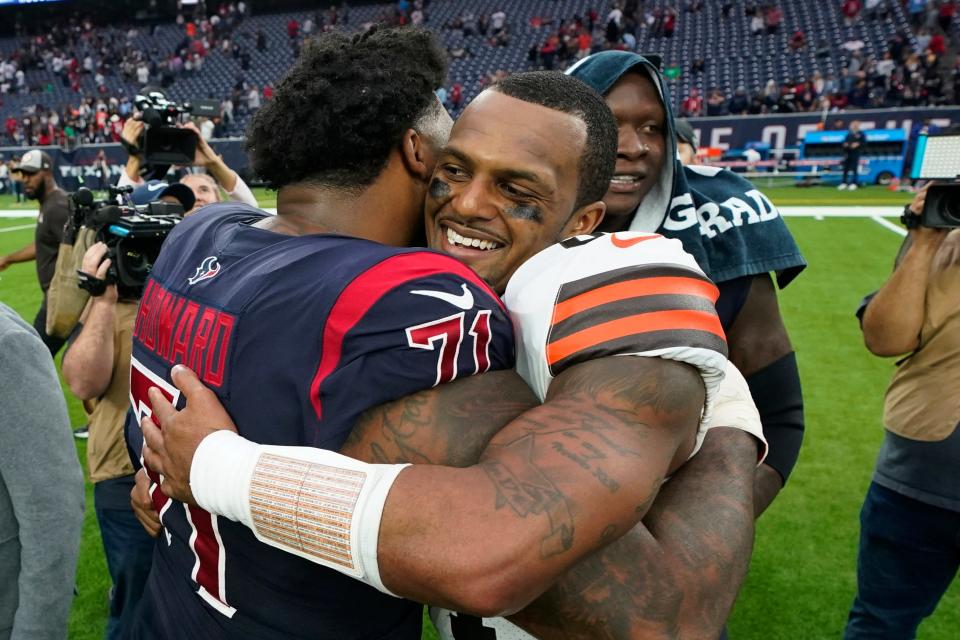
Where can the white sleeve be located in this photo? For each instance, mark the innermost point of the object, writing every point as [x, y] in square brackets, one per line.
[125, 180]
[734, 408]
[242, 193]
[622, 294]
[310, 502]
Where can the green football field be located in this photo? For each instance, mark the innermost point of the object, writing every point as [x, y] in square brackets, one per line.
[802, 578]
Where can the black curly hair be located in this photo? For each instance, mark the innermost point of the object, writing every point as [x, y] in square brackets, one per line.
[569, 95]
[345, 104]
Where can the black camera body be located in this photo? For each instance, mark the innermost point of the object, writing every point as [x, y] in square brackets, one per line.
[941, 210]
[133, 234]
[163, 143]
[942, 207]
[937, 158]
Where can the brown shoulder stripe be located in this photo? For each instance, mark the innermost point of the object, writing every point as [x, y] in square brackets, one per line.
[635, 272]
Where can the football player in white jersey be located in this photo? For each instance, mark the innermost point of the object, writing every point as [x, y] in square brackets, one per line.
[525, 167]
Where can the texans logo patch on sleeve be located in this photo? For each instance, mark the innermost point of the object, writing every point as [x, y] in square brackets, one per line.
[207, 269]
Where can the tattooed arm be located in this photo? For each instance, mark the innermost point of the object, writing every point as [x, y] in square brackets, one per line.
[676, 574]
[560, 481]
[450, 424]
[557, 483]
[675, 577]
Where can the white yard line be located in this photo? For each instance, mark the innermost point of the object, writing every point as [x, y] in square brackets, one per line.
[807, 211]
[900, 231]
[21, 227]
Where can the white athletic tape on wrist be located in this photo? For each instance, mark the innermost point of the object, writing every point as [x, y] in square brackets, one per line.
[734, 407]
[314, 503]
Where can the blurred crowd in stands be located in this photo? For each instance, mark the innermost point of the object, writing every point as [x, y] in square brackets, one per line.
[907, 74]
[904, 76]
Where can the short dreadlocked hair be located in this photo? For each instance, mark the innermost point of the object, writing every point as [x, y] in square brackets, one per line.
[345, 105]
[568, 95]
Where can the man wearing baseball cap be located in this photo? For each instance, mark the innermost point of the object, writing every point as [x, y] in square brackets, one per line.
[159, 190]
[36, 170]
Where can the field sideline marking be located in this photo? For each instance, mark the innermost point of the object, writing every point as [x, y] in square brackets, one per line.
[20, 228]
[820, 211]
[889, 225]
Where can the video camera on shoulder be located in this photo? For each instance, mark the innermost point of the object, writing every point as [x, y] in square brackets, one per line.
[937, 157]
[163, 142]
[134, 234]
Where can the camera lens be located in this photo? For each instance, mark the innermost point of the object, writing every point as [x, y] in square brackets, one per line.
[950, 207]
[136, 265]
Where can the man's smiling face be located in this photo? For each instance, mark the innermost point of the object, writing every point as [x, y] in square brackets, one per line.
[505, 186]
[641, 154]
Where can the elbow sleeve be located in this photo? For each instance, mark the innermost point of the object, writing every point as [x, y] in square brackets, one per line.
[779, 399]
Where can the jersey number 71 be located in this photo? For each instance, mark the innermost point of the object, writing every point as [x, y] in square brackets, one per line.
[210, 556]
[446, 335]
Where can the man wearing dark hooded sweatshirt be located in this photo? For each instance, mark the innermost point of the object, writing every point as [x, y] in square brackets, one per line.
[728, 225]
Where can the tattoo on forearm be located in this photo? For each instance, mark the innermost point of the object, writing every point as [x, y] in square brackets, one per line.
[589, 435]
[399, 425]
[677, 578]
[447, 425]
[527, 490]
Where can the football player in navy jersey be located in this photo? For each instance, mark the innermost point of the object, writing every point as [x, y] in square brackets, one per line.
[539, 509]
[304, 321]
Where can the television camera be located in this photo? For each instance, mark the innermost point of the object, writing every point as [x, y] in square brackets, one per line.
[937, 158]
[132, 233]
[163, 142]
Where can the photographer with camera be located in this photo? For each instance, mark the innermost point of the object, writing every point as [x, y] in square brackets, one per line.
[911, 516]
[206, 186]
[96, 367]
[36, 171]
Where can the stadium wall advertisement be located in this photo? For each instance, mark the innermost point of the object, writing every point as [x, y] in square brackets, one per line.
[787, 130]
[75, 168]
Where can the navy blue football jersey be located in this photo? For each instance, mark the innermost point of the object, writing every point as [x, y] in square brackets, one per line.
[298, 336]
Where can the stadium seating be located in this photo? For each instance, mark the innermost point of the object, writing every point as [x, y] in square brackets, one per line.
[733, 56]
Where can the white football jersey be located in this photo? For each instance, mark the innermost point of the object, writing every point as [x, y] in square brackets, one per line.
[609, 294]
[619, 294]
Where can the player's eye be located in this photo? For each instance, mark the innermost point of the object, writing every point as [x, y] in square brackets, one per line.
[514, 192]
[454, 171]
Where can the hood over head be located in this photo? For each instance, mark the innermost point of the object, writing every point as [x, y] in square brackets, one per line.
[730, 227]
[602, 71]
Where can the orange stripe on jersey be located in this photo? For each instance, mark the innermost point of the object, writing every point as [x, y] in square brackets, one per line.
[633, 325]
[664, 285]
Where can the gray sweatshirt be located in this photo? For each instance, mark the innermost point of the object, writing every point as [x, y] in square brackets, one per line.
[41, 489]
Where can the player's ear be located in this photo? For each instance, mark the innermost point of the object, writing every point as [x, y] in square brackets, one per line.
[585, 219]
[418, 156]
